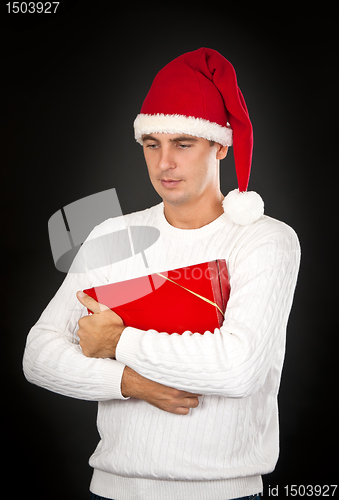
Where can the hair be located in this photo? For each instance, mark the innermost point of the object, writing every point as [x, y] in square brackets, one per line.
[212, 143]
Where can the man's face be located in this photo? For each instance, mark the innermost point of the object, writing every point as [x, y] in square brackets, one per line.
[182, 168]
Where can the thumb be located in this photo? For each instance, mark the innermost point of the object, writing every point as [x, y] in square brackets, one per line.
[90, 303]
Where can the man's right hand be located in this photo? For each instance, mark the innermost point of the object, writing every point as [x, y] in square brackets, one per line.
[166, 398]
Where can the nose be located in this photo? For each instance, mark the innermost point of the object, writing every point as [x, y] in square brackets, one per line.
[166, 160]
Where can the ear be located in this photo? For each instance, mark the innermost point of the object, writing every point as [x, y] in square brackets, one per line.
[221, 151]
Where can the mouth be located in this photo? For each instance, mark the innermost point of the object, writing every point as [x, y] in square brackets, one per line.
[170, 183]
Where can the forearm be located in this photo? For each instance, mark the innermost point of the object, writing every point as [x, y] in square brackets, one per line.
[163, 397]
[192, 362]
[53, 358]
[54, 363]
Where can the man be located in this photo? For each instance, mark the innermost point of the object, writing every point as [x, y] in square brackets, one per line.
[191, 415]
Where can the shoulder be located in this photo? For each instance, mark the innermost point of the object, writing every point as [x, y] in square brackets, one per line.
[267, 249]
[267, 227]
[269, 233]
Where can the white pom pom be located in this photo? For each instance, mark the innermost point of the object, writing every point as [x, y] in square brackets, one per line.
[243, 208]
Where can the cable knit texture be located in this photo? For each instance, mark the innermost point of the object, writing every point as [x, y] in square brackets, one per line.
[223, 446]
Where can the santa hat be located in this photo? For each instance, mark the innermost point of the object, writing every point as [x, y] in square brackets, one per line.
[197, 94]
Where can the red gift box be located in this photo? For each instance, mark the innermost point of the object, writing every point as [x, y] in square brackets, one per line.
[191, 298]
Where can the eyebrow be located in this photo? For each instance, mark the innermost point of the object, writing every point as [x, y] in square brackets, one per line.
[182, 138]
[149, 138]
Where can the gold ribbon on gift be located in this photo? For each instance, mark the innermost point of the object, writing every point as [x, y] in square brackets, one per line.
[194, 293]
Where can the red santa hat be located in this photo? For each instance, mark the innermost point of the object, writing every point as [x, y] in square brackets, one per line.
[197, 94]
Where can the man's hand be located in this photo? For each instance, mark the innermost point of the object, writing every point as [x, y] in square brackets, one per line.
[100, 332]
[166, 398]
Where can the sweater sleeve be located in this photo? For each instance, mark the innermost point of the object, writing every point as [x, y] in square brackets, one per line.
[233, 361]
[53, 358]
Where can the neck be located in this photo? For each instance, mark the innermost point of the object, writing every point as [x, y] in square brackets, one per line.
[194, 215]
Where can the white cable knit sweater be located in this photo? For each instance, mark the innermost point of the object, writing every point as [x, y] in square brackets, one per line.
[220, 449]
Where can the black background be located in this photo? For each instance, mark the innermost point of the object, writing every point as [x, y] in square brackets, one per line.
[74, 83]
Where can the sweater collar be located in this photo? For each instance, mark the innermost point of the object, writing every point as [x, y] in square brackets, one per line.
[188, 234]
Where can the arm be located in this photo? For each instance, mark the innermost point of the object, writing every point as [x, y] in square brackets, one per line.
[159, 395]
[53, 358]
[235, 360]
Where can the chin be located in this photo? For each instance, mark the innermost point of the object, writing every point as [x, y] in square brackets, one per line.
[175, 197]
[176, 200]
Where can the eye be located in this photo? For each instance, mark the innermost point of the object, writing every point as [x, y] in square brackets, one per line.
[184, 146]
[152, 146]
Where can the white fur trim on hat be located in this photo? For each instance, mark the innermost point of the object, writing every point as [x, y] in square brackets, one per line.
[181, 124]
[243, 208]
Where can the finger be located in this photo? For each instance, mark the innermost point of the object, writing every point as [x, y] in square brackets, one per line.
[90, 303]
[192, 402]
[182, 410]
